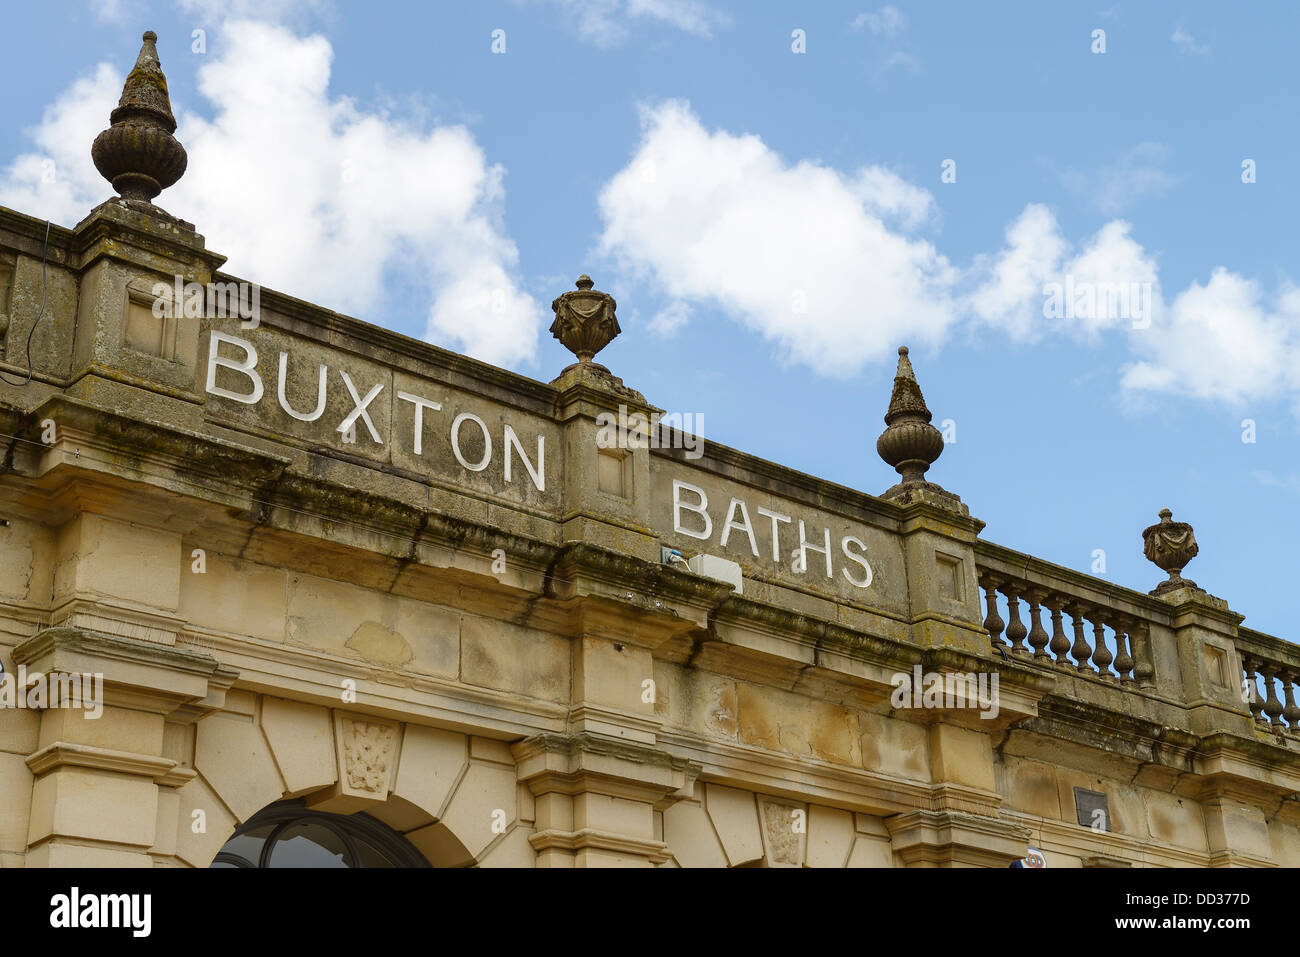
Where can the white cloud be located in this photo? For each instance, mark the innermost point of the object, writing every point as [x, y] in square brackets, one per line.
[1136, 174]
[1014, 284]
[311, 195]
[58, 180]
[671, 318]
[688, 15]
[274, 11]
[887, 21]
[796, 252]
[1223, 340]
[1012, 294]
[1186, 43]
[605, 22]
[801, 254]
[889, 196]
[116, 11]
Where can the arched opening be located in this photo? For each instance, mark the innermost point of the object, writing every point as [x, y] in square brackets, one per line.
[289, 834]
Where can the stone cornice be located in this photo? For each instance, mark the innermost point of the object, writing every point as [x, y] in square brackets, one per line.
[1118, 850]
[1111, 733]
[1268, 648]
[145, 675]
[103, 232]
[620, 572]
[656, 852]
[114, 648]
[948, 837]
[1252, 768]
[235, 465]
[62, 754]
[1104, 594]
[798, 778]
[1193, 606]
[819, 632]
[583, 762]
[32, 229]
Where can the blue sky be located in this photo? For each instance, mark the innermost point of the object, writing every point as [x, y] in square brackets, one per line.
[774, 224]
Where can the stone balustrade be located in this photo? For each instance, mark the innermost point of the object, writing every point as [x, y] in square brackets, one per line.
[1057, 618]
[1268, 664]
[1046, 616]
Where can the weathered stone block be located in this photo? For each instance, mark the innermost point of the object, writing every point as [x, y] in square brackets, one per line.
[690, 836]
[735, 818]
[430, 764]
[507, 658]
[485, 799]
[302, 743]
[234, 758]
[232, 596]
[780, 721]
[96, 805]
[830, 836]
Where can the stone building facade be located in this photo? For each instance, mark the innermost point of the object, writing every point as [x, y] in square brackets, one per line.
[326, 573]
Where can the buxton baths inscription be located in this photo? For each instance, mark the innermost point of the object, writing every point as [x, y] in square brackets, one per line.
[738, 530]
[782, 535]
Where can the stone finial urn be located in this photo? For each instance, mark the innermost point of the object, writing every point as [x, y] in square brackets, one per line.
[584, 320]
[1170, 546]
[909, 443]
[138, 153]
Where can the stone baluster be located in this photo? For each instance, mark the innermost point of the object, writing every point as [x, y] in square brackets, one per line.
[993, 622]
[1080, 649]
[1123, 660]
[1143, 668]
[1251, 690]
[1101, 656]
[1037, 634]
[1060, 644]
[1016, 630]
[1291, 712]
[1272, 706]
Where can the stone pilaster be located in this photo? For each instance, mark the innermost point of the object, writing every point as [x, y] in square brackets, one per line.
[596, 797]
[1209, 664]
[99, 780]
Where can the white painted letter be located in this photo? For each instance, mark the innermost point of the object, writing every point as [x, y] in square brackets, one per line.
[455, 441]
[805, 548]
[860, 559]
[420, 405]
[360, 407]
[776, 542]
[743, 526]
[538, 474]
[320, 390]
[248, 367]
[701, 509]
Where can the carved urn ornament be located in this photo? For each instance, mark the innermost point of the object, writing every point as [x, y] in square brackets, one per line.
[584, 320]
[1170, 545]
[138, 153]
[909, 443]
